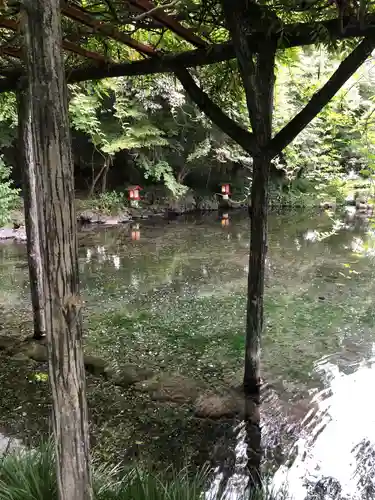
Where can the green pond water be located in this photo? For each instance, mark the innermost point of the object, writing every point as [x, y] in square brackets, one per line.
[174, 301]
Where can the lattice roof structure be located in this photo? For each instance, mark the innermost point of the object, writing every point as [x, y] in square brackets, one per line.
[102, 39]
[97, 37]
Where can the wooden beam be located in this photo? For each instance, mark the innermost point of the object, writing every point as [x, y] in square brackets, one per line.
[83, 17]
[10, 24]
[169, 22]
[67, 45]
[88, 54]
[294, 35]
[11, 51]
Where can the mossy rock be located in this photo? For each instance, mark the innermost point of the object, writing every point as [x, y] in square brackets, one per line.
[8, 343]
[169, 387]
[34, 350]
[228, 405]
[21, 357]
[95, 365]
[127, 375]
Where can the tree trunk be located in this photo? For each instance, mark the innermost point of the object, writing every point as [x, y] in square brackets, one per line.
[95, 179]
[31, 203]
[107, 165]
[41, 22]
[255, 286]
[258, 79]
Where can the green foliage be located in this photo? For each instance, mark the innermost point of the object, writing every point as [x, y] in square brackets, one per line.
[291, 198]
[30, 475]
[162, 171]
[8, 119]
[109, 203]
[9, 196]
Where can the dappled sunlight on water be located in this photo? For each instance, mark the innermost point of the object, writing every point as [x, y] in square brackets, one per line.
[334, 457]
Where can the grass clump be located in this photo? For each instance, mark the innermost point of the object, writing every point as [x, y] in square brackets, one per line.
[30, 475]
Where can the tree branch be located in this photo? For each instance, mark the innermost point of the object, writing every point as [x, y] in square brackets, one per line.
[154, 9]
[346, 69]
[244, 138]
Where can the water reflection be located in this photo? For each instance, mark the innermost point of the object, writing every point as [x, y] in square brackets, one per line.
[335, 454]
[174, 299]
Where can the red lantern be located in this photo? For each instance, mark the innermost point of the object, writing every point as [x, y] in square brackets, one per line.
[134, 193]
[135, 233]
[225, 220]
[225, 191]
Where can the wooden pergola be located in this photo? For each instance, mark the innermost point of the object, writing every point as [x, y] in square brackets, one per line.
[103, 42]
[46, 43]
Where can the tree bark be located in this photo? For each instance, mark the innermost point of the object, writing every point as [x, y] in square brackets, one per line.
[47, 94]
[31, 203]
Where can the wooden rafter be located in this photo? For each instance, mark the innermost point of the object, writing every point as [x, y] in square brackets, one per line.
[80, 15]
[11, 51]
[169, 22]
[67, 45]
[76, 49]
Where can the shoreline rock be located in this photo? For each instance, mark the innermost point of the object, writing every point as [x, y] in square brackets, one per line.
[17, 235]
[163, 208]
[163, 387]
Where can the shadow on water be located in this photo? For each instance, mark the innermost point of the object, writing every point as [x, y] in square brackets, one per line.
[172, 298]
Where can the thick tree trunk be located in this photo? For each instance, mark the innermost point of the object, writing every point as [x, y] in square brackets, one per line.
[31, 204]
[41, 20]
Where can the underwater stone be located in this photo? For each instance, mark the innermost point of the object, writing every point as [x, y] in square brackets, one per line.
[167, 387]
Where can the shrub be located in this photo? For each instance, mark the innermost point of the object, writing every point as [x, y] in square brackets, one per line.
[9, 196]
[107, 203]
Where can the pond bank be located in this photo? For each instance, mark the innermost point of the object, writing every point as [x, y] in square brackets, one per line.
[106, 211]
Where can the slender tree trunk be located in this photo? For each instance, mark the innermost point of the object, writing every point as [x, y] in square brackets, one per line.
[41, 22]
[96, 178]
[31, 203]
[255, 286]
[258, 80]
[107, 165]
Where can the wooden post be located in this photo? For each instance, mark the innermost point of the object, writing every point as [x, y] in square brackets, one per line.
[258, 79]
[31, 203]
[47, 96]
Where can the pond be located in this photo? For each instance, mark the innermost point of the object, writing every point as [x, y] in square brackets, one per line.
[171, 297]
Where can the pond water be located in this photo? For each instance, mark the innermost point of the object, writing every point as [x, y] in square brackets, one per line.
[173, 299]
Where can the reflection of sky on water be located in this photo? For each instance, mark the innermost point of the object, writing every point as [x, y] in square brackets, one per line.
[336, 450]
